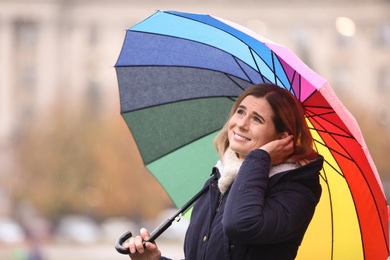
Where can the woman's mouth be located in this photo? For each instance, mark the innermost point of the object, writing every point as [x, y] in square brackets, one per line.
[240, 137]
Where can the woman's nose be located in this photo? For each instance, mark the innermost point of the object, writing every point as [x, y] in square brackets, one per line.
[243, 123]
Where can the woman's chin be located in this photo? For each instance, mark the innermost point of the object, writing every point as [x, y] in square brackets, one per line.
[240, 152]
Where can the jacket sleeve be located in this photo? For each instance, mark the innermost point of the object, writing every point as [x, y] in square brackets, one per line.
[253, 218]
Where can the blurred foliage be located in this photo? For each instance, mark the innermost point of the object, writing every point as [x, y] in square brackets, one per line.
[83, 164]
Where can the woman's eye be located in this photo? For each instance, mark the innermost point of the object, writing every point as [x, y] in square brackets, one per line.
[258, 119]
[240, 111]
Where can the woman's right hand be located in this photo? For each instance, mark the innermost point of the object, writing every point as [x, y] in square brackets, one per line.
[137, 249]
[279, 150]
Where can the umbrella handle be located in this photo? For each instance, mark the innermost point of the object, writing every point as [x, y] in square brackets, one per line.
[160, 229]
[119, 243]
[154, 235]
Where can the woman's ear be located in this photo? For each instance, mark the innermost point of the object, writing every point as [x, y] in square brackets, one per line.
[283, 135]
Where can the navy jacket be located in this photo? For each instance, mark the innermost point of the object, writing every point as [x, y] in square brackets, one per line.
[259, 217]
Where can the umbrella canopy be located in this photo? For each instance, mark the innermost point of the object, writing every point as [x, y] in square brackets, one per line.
[179, 74]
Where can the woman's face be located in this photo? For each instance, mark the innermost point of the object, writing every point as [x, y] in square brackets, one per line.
[251, 126]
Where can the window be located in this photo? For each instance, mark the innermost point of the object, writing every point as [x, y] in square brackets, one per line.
[384, 80]
[384, 34]
[26, 40]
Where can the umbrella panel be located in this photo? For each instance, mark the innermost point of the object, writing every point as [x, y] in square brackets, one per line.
[158, 86]
[162, 129]
[168, 51]
[183, 172]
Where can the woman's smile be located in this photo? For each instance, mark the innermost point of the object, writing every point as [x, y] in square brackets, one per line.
[241, 137]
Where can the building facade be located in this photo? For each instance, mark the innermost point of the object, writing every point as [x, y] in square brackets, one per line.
[64, 51]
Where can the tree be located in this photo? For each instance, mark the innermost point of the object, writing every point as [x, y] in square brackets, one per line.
[84, 164]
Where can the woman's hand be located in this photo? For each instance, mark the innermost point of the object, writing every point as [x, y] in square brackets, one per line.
[279, 150]
[137, 249]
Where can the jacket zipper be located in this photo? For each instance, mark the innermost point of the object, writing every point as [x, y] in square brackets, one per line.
[219, 202]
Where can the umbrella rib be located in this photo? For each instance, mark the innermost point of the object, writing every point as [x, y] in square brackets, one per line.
[291, 83]
[275, 56]
[331, 133]
[251, 51]
[273, 66]
[243, 71]
[332, 136]
[330, 207]
[231, 79]
[290, 88]
[308, 97]
[339, 172]
[335, 151]
[321, 107]
[314, 116]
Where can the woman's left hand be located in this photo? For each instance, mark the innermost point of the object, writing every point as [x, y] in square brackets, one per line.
[137, 249]
[279, 150]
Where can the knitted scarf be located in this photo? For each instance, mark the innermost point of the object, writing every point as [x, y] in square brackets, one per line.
[230, 165]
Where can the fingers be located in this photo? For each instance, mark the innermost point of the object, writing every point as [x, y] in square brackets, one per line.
[150, 246]
[289, 144]
[279, 150]
[139, 244]
[287, 140]
[132, 245]
[136, 244]
[144, 234]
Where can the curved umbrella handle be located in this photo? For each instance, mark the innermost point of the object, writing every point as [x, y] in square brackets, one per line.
[119, 243]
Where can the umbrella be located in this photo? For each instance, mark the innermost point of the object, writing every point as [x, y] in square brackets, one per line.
[178, 76]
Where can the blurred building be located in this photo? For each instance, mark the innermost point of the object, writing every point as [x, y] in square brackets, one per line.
[63, 51]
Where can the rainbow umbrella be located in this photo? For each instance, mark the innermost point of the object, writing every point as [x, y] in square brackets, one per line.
[178, 76]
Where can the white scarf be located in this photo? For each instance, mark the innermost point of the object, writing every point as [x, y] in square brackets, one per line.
[230, 164]
[229, 169]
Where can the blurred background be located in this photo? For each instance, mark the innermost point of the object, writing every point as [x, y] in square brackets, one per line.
[71, 178]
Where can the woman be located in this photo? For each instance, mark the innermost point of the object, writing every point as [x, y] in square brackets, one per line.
[264, 189]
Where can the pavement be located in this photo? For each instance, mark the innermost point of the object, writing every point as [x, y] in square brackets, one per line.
[85, 252]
